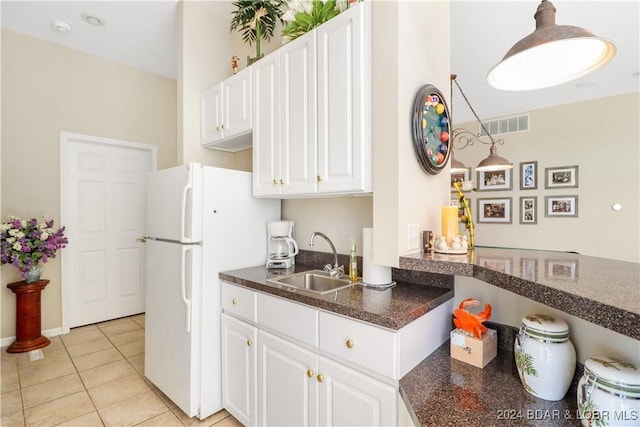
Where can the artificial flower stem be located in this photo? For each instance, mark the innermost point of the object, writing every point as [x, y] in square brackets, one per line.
[467, 211]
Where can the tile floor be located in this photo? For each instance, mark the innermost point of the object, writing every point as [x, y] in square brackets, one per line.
[92, 376]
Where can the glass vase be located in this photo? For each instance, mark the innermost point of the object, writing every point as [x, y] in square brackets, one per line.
[33, 275]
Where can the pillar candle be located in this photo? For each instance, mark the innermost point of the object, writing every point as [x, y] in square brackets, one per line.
[449, 223]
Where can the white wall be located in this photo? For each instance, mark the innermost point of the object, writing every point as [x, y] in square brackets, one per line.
[46, 89]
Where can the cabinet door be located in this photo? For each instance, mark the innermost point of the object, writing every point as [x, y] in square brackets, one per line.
[344, 102]
[211, 115]
[239, 387]
[266, 126]
[348, 398]
[287, 383]
[298, 115]
[237, 104]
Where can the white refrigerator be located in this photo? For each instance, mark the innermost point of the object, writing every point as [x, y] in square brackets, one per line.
[200, 220]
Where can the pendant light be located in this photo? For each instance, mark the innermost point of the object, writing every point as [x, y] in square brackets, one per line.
[493, 162]
[551, 55]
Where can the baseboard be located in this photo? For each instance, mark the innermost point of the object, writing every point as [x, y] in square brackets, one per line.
[5, 342]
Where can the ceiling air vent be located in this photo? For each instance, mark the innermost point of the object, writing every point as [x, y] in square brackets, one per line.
[506, 125]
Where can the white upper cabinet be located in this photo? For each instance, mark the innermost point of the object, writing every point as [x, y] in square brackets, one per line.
[284, 156]
[344, 102]
[266, 132]
[323, 85]
[225, 114]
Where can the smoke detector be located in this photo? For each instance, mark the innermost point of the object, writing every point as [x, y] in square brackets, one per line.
[61, 26]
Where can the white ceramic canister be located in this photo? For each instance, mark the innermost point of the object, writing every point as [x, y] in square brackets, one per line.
[545, 358]
[609, 393]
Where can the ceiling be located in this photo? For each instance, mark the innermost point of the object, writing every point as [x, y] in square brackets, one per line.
[143, 34]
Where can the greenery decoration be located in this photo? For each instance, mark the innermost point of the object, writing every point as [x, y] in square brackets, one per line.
[306, 19]
[257, 20]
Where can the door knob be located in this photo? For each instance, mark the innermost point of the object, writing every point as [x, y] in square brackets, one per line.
[142, 239]
[349, 343]
[310, 373]
[320, 378]
[249, 343]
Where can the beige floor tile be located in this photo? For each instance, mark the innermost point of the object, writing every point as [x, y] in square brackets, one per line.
[8, 360]
[40, 372]
[127, 337]
[9, 381]
[119, 328]
[105, 373]
[115, 321]
[133, 410]
[82, 336]
[230, 421]
[50, 355]
[118, 389]
[195, 422]
[80, 349]
[132, 349]
[10, 402]
[161, 395]
[137, 362]
[139, 320]
[99, 358]
[59, 410]
[166, 419]
[88, 420]
[51, 390]
[14, 419]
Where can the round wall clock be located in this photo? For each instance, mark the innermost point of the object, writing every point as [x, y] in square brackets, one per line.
[431, 129]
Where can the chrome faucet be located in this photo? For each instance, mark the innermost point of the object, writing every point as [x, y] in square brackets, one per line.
[334, 270]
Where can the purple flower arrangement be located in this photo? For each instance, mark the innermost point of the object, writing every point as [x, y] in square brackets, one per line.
[26, 244]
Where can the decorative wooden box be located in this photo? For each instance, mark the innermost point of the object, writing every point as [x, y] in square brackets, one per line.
[469, 349]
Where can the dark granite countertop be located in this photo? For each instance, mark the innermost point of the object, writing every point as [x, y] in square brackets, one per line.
[441, 391]
[399, 306]
[602, 291]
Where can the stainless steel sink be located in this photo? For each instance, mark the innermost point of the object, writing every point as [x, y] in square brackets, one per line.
[316, 281]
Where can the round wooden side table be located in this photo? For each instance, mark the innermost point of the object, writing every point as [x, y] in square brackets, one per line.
[28, 322]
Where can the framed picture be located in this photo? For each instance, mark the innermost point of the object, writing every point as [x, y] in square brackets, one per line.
[494, 210]
[561, 206]
[562, 177]
[503, 265]
[561, 269]
[528, 210]
[460, 177]
[529, 175]
[529, 269]
[494, 180]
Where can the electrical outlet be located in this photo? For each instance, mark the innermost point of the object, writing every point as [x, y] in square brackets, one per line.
[413, 238]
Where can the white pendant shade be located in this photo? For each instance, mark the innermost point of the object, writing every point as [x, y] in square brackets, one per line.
[551, 55]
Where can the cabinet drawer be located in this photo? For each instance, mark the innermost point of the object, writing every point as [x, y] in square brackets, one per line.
[289, 318]
[365, 345]
[239, 301]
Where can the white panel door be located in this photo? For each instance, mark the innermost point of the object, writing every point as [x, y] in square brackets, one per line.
[237, 104]
[348, 398]
[239, 388]
[266, 125]
[103, 205]
[287, 384]
[298, 115]
[211, 115]
[342, 103]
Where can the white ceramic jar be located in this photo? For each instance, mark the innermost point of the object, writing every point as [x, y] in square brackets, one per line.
[545, 358]
[609, 393]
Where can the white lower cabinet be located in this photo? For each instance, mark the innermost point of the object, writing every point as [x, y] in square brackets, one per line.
[288, 386]
[239, 343]
[347, 397]
[300, 388]
[290, 364]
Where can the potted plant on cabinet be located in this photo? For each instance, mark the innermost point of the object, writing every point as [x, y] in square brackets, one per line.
[256, 20]
[303, 16]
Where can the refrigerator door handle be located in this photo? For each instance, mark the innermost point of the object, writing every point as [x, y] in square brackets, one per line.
[183, 211]
[183, 285]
